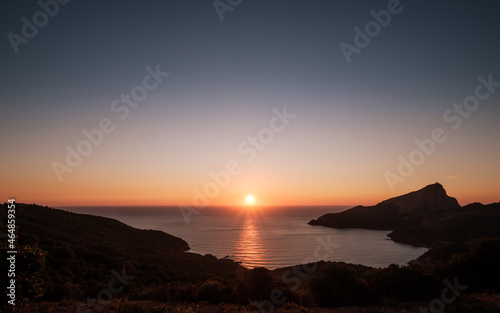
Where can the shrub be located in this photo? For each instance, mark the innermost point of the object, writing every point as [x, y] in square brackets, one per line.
[402, 284]
[337, 285]
[257, 283]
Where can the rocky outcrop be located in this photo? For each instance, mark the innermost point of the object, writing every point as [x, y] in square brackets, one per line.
[432, 197]
[425, 217]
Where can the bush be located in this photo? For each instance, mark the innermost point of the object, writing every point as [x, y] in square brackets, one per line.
[30, 262]
[402, 284]
[479, 267]
[257, 284]
[212, 292]
[337, 285]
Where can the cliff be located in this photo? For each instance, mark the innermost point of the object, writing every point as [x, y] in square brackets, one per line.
[426, 217]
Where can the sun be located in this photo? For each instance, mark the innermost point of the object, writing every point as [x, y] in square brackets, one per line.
[250, 200]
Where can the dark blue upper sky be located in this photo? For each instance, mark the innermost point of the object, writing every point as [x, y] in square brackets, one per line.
[226, 77]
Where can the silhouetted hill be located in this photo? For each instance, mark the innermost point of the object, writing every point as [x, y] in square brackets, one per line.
[460, 225]
[380, 217]
[90, 230]
[79, 252]
[430, 198]
[425, 217]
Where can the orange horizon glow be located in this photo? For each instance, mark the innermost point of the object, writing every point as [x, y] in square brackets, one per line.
[347, 199]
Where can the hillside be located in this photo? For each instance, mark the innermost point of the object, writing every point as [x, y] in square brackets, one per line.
[470, 222]
[430, 198]
[79, 252]
[65, 261]
[426, 217]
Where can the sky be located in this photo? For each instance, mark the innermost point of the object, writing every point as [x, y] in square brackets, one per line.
[205, 102]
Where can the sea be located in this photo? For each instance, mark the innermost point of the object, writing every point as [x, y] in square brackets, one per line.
[271, 237]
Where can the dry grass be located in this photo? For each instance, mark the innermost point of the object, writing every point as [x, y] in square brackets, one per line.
[477, 303]
[122, 306]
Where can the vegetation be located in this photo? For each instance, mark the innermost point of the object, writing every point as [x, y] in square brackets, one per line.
[66, 260]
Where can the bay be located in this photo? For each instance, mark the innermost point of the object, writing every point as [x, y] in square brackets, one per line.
[270, 237]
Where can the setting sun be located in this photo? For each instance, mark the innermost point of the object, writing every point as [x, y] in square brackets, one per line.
[250, 200]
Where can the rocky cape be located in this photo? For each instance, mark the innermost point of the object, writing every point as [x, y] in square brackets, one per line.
[427, 217]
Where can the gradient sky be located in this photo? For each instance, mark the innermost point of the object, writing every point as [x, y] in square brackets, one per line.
[352, 121]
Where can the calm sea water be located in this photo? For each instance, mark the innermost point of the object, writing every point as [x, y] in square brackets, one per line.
[269, 237]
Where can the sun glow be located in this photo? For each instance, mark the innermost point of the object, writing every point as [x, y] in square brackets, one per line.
[250, 200]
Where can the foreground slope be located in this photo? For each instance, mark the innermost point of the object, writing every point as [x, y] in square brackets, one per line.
[65, 263]
[80, 251]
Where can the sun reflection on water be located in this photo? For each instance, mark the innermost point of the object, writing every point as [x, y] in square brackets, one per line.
[249, 249]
